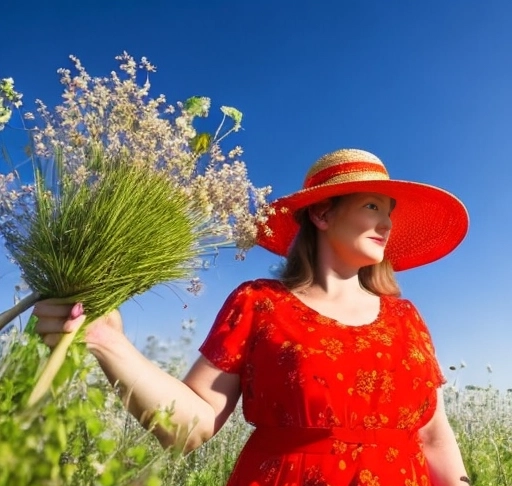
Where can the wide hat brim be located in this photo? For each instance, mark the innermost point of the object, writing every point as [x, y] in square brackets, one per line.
[428, 222]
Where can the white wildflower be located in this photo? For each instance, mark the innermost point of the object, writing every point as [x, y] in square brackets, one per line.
[236, 152]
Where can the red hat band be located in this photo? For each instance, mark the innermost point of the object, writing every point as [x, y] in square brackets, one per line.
[347, 172]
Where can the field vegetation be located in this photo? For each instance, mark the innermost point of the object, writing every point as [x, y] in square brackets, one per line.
[81, 435]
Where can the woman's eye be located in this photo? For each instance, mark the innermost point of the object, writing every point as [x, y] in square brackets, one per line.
[372, 206]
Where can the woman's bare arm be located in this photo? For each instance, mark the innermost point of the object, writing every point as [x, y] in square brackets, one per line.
[441, 450]
[200, 403]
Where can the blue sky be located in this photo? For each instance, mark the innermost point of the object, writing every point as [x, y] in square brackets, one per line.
[427, 86]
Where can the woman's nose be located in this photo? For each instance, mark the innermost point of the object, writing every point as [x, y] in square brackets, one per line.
[386, 222]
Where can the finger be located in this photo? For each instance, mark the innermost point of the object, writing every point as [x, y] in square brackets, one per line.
[51, 308]
[56, 325]
[49, 325]
[51, 340]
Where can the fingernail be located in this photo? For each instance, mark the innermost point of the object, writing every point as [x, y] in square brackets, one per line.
[77, 310]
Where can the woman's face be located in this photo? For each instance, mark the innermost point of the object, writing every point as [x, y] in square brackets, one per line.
[354, 231]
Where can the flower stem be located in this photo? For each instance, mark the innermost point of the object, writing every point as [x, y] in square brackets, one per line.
[24, 304]
[52, 367]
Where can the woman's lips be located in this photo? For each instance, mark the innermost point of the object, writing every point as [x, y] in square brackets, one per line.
[381, 241]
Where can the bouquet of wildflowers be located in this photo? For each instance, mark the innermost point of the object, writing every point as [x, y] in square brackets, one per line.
[126, 194]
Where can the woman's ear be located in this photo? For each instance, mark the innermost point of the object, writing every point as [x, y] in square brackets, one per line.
[318, 214]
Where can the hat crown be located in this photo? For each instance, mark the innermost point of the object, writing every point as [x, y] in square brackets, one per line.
[345, 165]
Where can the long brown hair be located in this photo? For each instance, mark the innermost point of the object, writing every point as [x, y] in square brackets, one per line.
[299, 268]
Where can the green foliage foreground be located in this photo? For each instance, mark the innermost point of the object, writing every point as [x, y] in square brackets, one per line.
[81, 435]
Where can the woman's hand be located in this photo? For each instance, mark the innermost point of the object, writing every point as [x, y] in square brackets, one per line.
[55, 319]
[206, 398]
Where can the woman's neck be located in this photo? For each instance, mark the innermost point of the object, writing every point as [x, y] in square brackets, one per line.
[332, 286]
[342, 299]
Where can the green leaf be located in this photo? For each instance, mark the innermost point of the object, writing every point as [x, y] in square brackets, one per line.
[107, 479]
[154, 481]
[7, 89]
[200, 144]
[61, 434]
[31, 325]
[137, 453]
[197, 106]
[106, 446]
[94, 426]
[96, 397]
[5, 115]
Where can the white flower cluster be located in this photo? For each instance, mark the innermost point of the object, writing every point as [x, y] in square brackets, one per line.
[16, 203]
[117, 115]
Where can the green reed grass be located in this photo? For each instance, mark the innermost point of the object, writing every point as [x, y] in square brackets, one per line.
[100, 243]
[103, 241]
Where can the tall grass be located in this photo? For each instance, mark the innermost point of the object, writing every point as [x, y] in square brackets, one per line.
[102, 240]
[106, 239]
[482, 421]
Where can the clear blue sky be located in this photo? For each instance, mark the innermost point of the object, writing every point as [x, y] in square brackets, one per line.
[427, 86]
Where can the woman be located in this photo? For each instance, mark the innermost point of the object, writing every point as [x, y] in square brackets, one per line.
[336, 372]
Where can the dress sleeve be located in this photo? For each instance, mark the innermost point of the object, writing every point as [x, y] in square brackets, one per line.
[227, 340]
[425, 344]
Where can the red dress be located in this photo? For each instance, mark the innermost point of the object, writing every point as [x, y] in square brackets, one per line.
[333, 405]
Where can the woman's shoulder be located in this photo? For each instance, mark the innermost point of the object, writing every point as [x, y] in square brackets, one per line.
[399, 305]
[261, 286]
[261, 294]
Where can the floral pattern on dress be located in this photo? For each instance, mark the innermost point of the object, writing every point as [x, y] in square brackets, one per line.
[369, 387]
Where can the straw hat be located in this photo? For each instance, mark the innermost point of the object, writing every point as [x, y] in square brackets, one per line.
[428, 222]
